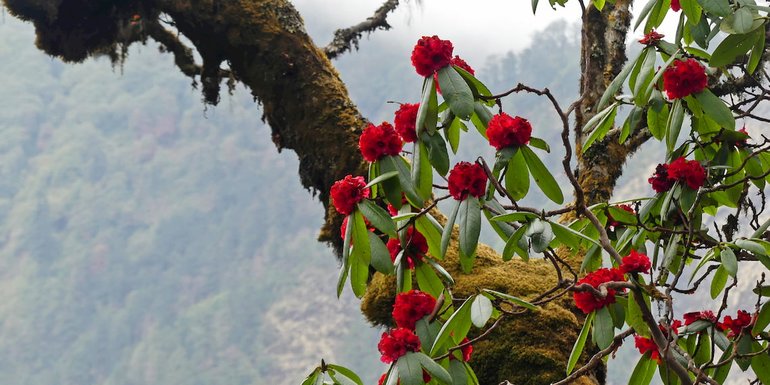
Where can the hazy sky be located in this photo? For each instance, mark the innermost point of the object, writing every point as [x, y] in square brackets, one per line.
[478, 28]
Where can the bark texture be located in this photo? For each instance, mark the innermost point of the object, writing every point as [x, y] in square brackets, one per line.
[309, 111]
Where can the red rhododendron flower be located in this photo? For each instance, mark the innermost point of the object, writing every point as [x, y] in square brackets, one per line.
[675, 5]
[467, 178]
[467, 350]
[635, 263]
[623, 207]
[411, 307]
[742, 321]
[379, 141]
[406, 120]
[504, 131]
[706, 315]
[347, 192]
[645, 344]
[396, 343]
[586, 301]
[659, 180]
[417, 247]
[683, 78]
[688, 171]
[456, 61]
[431, 54]
[651, 38]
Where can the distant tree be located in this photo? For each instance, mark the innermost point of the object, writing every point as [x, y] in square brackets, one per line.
[710, 166]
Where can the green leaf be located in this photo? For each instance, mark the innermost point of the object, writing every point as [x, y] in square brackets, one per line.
[720, 375]
[517, 176]
[716, 7]
[761, 365]
[478, 88]
[519, 216]
[456, 92]
[437, 152]
[604, 330]
[634, 316]
[453, 133]
[382, 177]
[542, 176]
[730, 48]
[481, 118]
[426, 331]
[361, 255]
[657, 116]
[469, 220]
[716, 109]
[729, 261]
[427, 280]
[604, 125]
[343, 276]
[645, 12]
[458, 322]
[757, 50]
[481, 310]
[427, 113]
[404, 179]
[440, 270]
[742, 21]
[422, 173]
[409, 369]
[380, 255]
[643, 371]
[347, 373]
[617, 83]
[763, 319]
[646, 74]
[577, 349]
[431, 230]
[446, 235]
[512, 245]
[692, 10]
[718, 282]
[539, 143]
[564, 229]
[311, 378]
[391, 187]
[378, 217]
[458, 373]
[515, 300]
[674, 125]
[434, 369]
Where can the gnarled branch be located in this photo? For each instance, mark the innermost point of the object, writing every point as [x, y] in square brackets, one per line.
[347, 38]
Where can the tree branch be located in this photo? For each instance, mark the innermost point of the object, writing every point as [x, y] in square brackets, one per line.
[347, 38]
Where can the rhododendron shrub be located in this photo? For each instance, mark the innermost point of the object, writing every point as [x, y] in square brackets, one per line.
[635, 258]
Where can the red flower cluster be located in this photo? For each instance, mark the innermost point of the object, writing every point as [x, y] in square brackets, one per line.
[431, 54]
[504, 131]
[623, 207]
[396, 343]
[586, 301]
[659, 180]
[688, 171]
[645, 344]
[467, 350]
[706, 315]
[406, 120]
[418, 246]
[651, 38]
[456, 61]
[635, 263]
[683, 78]
[467, 178]
[412, 306]
[379, 141]
[742, 322]
[347, 192]
[675, 6]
